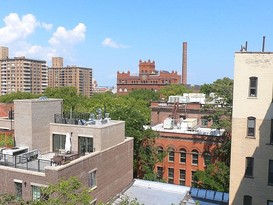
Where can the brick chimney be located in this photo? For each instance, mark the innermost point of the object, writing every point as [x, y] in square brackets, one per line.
[184, 64]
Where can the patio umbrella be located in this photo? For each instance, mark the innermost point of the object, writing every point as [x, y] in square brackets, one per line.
[67, 143]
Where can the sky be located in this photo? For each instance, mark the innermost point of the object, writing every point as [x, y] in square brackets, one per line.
[113, 35]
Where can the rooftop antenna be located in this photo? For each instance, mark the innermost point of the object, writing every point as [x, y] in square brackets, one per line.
[244, 48]
[263, 43]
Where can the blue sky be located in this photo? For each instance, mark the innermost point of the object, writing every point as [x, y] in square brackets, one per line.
[109, 35]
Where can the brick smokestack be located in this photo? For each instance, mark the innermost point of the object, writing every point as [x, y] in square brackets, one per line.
[184, 64]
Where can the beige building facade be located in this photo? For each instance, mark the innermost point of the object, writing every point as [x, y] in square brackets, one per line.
[22, 74]
[4, 53]
[75, 76]
[251, 171]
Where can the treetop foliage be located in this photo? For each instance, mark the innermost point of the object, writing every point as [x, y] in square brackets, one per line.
[214, 177]
[173, 89]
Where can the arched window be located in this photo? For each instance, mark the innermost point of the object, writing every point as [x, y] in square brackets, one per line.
[159, 150]
[183, 157]
[195, 157]
[207, 158]
[120, 90]
[125, 89]
[171, 154]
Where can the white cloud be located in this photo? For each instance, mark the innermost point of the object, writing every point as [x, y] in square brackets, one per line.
[17, 31]
[62, 37]
[46, 26]
[16, 28]
[108, 42]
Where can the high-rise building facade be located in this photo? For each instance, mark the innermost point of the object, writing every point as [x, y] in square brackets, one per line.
[22, 74]
[4, 53]
[75, 76]
[251, 171]
[57, 62]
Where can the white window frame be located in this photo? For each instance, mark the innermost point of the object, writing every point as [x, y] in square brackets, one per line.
[92, 179]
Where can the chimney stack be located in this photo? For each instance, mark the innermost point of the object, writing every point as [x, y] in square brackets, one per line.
[263, 44]
[184, 64]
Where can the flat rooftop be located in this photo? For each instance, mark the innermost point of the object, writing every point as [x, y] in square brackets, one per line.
[158, 193]
[196, 130]
[155, 193]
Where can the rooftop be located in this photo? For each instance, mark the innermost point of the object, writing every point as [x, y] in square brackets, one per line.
[187, 126]
[157, 193]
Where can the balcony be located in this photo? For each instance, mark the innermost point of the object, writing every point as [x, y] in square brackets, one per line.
[32, 160]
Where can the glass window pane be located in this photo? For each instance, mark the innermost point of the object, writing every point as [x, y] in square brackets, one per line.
[247, 200]
[18, 189]
[270, 173]
[36, 192]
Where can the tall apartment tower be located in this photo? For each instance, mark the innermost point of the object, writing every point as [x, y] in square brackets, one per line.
[57, 62]
[251, 170]
[22, 74]
[75, 76]
[4, 53]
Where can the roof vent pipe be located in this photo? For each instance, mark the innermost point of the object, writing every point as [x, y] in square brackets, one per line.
[263, 43]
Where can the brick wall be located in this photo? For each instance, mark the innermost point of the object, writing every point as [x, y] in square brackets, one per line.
[114, 172]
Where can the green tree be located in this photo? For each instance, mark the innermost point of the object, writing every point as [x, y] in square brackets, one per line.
[147, 95]
[69, 95]
[220, 107]
[174, 89]
[17, 96]
[70, 192]
[9, 199]
[214, 177]
[125, 200]
[220, 104]
[147, 155]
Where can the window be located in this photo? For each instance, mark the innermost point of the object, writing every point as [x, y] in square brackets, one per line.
[58, 142]
[93, 179]
[193, 182]
[204, 122]
[253, 82]
[18, 190]
[183, 156]
[247, 200]
[36, 192]
[207, 158]
[270, 173]
[159, 172]
[85, 145]
[249, 167]
[170, 175]
[160, 150]
[171, 154]
[269, 202]
[271, 132]
[251, 121]
[182, 177]
[194, 157]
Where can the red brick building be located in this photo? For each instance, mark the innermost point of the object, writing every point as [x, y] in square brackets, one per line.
[190, 105]
[148, 78]
[186, 153]
[185, 135]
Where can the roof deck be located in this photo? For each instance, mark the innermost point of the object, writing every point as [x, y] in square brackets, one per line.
[33, 160]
